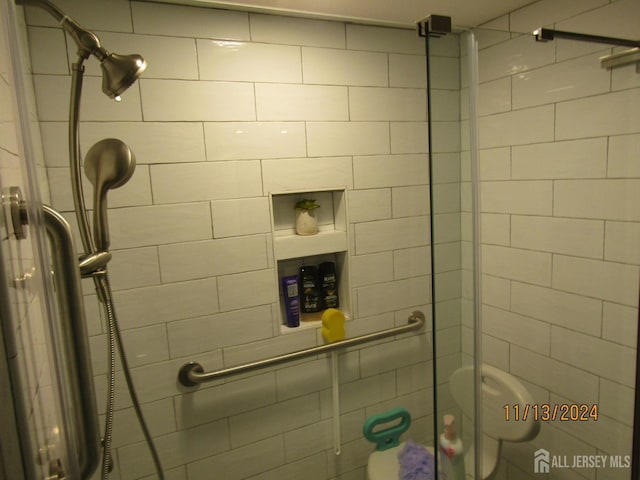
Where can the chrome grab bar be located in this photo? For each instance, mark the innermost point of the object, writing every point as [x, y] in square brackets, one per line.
[192, 373]
[75, 345]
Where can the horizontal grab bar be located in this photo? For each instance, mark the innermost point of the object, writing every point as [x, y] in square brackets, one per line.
[192, 373]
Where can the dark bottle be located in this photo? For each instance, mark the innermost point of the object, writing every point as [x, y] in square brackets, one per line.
[309, 292]
[329, 285]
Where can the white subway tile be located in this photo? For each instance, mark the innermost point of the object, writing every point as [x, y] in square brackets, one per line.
[202, 334]
[381, 39]
[492, 35]
[622, 242]
[248, 62]
[409, 137]
[605, 280]
[516, 329]
[568, 381]
[155, 225]
[367, 205]
[233, 397]
[388, 356]
[390, 171]
[603, 358]
[558, 308]
[517, 197]
[615, 115]
[616, 401]
[515, 264]
[445, 73]
[347, 138]
[531, 125]
[414, 200]
[388, 297]
[566, 49]
[494, 96]
[311, 468]
[52, 106]
[181, 447]
[186, 21]
[52, 59]
[136, 267]
[370, 269]
[241, 462]
[114, 16]
[445, 46]
[496, 292]
[302, 102]
[393, 234]
[603, 199]
[343, 67]
[620, 324]
[448, 286]
[279, 345]
[188, 261]
[297, 31]
[249, 140]
[445, 136]
[446, 227]
[272, 420]
[446, 167]
[622, 151]
[583, 238]
[624, 12]
[624, 77]
[368, 104]
[163, 303]
[518, 55]
[306, 174]
[415, 262]
[184, 100]
[546, 12]
[495, 352]
[577, 78]
[446, 199]
[247, 289]
[159, 416]
[236, 217]
[206, 181]
[445, 105]
[496, 228]
[362, 393]
[407, 71]
[571, 159]
[149, 141]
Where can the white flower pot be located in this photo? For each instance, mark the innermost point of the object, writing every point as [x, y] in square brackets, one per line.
[306, 222]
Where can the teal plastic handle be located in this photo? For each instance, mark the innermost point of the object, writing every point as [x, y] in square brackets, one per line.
[387, 437]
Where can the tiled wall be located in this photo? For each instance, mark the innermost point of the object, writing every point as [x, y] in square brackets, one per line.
[234, 106]
[560, 197]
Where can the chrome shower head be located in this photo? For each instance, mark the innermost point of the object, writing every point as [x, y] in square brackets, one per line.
[108, 164]
[119, 72]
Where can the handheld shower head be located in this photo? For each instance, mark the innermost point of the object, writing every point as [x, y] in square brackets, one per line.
[108, 164]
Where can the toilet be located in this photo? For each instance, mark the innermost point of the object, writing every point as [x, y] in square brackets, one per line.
[499, 388]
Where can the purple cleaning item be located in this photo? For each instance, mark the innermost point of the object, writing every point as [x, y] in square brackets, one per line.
[416, 462]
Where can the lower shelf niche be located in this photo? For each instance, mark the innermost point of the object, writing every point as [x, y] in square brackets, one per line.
[292, 267]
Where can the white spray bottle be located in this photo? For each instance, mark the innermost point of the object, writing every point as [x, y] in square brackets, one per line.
[451, 457]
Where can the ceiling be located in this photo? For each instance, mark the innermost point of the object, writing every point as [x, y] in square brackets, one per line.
[467, 13]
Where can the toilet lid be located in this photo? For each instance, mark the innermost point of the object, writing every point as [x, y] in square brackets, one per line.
[384, 465]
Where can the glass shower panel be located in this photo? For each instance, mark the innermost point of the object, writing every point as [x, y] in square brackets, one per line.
[454, 253]
[560, 211]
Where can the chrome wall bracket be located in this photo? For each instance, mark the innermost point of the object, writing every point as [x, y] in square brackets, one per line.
[17, 209]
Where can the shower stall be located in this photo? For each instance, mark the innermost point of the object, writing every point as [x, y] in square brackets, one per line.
[482, 178]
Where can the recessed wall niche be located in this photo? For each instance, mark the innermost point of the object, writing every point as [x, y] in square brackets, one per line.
[292, 251]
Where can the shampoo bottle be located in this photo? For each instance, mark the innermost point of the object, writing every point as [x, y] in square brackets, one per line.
[451, 453]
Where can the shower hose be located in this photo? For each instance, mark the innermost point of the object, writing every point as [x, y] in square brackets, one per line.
[114, 339]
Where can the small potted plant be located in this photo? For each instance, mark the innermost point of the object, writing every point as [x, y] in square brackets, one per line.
[306, 221]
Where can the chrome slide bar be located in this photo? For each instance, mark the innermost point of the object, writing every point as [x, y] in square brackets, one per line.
[192, 373]
[75, 343]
